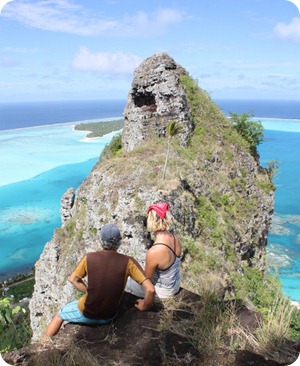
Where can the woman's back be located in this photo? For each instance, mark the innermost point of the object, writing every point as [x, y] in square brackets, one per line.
[166, 248]
[165, 252]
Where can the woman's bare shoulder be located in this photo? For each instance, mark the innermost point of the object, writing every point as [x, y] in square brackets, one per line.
[155, 248]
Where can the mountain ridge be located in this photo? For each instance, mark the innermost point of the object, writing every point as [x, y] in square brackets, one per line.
[221, 199]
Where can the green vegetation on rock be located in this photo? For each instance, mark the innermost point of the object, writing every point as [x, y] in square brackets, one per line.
[114, 148]
[99, 129]
[252, 131]
[14, 315]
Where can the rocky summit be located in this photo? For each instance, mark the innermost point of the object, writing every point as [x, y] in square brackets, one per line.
[220, 197]
[155, 98]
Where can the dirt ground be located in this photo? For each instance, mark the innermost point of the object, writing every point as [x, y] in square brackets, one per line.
[134, 339]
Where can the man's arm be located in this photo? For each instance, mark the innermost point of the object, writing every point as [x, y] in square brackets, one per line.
[78, 283]
[145, 304]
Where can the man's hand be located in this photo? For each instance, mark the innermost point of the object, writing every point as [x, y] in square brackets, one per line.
[78, 283]
[140, 304]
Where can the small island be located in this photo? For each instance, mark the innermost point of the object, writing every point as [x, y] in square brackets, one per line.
[98, 129]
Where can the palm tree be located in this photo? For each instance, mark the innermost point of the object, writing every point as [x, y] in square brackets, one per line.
[172, 129]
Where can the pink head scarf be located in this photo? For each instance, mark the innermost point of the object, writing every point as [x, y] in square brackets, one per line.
[160, 208]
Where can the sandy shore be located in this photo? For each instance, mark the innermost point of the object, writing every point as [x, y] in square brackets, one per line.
[296, 304]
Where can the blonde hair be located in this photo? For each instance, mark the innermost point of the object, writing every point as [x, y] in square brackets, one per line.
[155, 223]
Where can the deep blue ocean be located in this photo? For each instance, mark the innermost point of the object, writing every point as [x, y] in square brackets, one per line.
[20, 115]
[41, 156]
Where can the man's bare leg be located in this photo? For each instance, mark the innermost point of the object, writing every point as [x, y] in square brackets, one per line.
[54, 326]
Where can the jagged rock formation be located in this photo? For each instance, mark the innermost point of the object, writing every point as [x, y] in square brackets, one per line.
[220, 197]
[67, 202]
[155, 98]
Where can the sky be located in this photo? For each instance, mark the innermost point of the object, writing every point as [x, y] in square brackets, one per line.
[88, 49]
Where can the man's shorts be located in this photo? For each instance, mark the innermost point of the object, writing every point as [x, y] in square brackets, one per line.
[71, 313]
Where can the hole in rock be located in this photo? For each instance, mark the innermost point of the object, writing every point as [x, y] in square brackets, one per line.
[144, 99]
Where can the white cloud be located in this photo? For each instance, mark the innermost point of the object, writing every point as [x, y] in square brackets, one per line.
[105, 62]
[155, 23]
[23, 50]
[56, 15]
[8, 62]
[289, 31]
[65, 16]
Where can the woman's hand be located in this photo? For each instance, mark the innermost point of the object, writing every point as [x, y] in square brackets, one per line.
[140, 304]
[145, 304]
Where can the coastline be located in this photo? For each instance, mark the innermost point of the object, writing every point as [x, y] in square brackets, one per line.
[99, 129]
[17, 278]
[296, 304]
[279, 119]
[69, 123]
[98, 138]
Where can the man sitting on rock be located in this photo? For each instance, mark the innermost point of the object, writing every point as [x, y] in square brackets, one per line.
[107, 272]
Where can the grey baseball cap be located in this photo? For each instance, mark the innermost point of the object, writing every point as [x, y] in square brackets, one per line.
[110, 233]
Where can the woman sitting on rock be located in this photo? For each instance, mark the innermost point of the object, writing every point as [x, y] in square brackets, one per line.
[163, 258]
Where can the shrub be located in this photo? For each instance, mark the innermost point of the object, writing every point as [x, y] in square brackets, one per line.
[172, 130]
[113, 148]
[251, 131]
[14, 326]
[272, 168]
[257, 288]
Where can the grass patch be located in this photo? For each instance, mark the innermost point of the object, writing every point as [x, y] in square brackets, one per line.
[204, 322]
[266, 186]
[75, 356]
[271, 338]
[211, 325]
